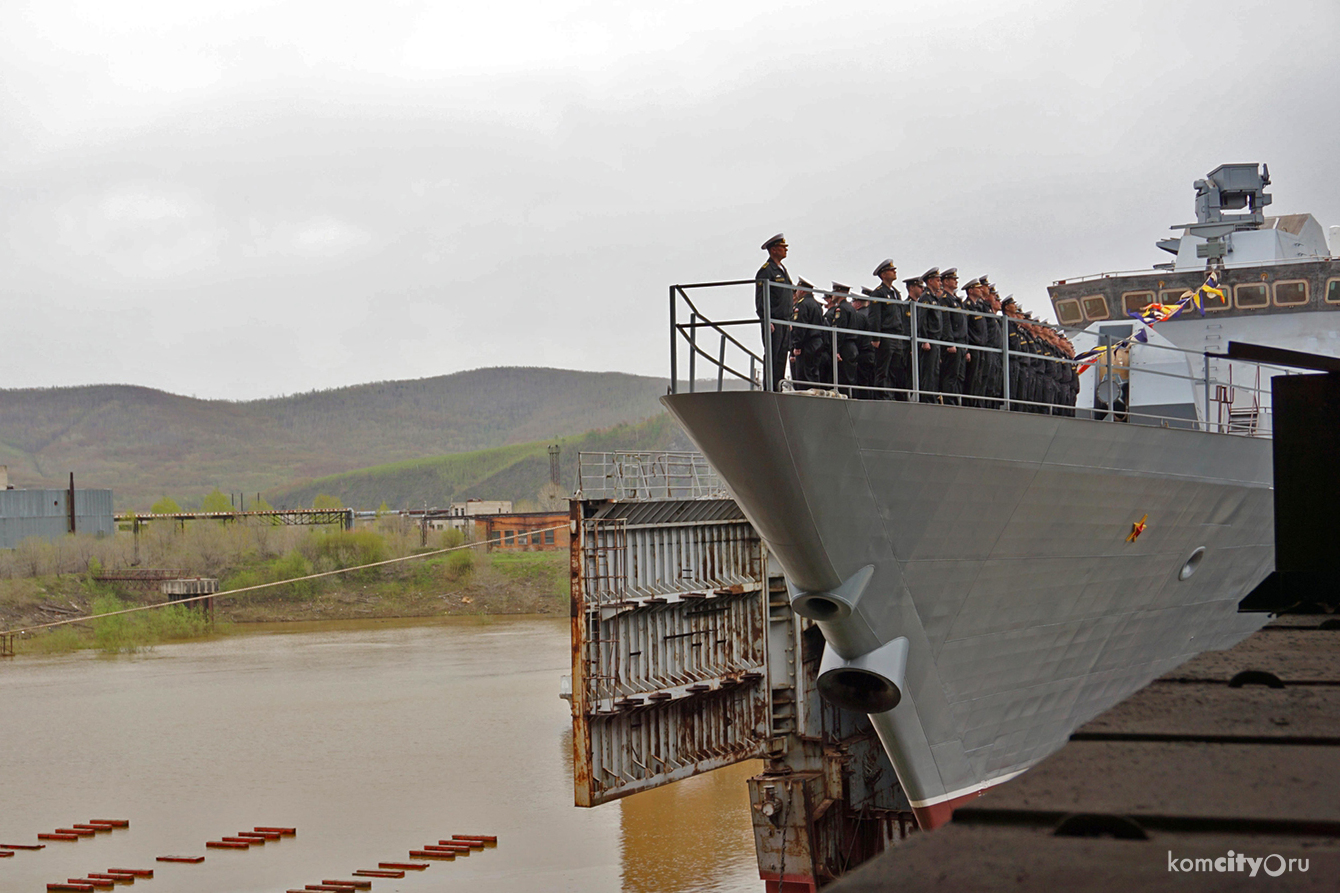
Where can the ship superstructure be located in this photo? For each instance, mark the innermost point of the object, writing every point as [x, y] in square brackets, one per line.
[985, 580]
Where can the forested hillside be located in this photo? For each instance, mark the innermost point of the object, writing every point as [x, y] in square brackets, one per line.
[143, 443]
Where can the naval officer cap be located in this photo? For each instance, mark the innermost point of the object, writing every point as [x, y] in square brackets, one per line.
[778, 239]
[1009, 300]
[885, 264]
[915, 280]
[951, 273]
[839, 287]
[932, 273]
[804, 283]
[971, 284]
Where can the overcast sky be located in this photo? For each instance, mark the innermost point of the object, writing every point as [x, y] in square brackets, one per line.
[241, 199]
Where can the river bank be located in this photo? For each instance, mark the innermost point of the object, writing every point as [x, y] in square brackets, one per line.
[531, 583]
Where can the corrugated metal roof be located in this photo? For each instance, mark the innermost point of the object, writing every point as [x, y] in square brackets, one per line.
[671, 511]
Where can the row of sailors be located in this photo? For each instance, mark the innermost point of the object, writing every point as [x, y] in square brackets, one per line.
[875, 367]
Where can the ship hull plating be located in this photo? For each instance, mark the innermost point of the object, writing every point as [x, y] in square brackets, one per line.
[1000, 547]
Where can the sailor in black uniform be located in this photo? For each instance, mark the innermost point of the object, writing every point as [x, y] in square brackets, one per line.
[930, 322]
[891, 353]
[862, 318]
[839, 316]
[980, 331]
[954, 366]
[1014, 320]
[807, 345]
[779, 302]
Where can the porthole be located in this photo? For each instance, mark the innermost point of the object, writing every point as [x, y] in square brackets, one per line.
[1135, 301]
[1068, 312]
[1095, 306]
[1191, 564]
[1290, 293]
[1250, 297]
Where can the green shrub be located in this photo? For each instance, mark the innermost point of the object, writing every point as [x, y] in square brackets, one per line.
[176, 622]
[60, 640]
[294, 564]
[460, 565]
[347, 548]
[451, 538]
[115, 635]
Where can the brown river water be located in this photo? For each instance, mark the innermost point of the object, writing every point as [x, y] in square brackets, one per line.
[371, 738]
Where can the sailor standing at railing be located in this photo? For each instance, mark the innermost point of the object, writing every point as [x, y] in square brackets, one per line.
[769, 297]
[929, 325]
[892, 319]
[865, 346]
[954, 367]
[983, 333]
[1018, 368]
[807, 345]
[839, 316]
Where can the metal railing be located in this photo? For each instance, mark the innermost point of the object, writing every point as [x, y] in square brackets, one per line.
[651, 475]
[731, 361]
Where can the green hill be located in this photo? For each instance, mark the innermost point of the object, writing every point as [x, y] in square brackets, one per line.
[514, 472]
[143, 443]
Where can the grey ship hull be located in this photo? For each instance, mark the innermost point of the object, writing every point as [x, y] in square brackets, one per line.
[998, 543]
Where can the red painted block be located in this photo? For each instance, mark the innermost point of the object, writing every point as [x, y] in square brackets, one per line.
[193, 860]
[103, 876]
[431, 854]
[412, 866]
[5, 854]
[364, 872]
[355, 885]
[82, 832]
[93, 882]
[79, 888]
[258, 841]
[464, 844]
[23, 846]
[91, 827]
[265, 835]
[227, 845]
[115, 823]
[135, 872]
[58, 836]
[326, 888]
[487, 838]
[446, 847]
[287, 832]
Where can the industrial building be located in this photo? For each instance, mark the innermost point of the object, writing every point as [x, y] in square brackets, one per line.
[51, 514]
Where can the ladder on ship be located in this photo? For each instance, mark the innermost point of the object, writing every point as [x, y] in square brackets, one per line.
[1234, 419]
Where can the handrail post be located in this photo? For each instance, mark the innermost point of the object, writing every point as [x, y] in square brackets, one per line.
[914, 351]
[674, 364]
[1005, 360]
[1207, 391]
[1112, 388]
[834, 353]
[721, 364]
[767, 337]
[693, 349]
[751, 371]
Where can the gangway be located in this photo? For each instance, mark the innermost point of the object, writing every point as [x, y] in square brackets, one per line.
[687, 657]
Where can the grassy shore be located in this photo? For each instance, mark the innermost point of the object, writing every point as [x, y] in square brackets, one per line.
[465, 581]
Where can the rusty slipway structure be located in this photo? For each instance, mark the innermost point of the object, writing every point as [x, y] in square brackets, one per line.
[687, 657]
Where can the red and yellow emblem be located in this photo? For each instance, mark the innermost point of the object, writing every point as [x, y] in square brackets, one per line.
[1137, 528]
